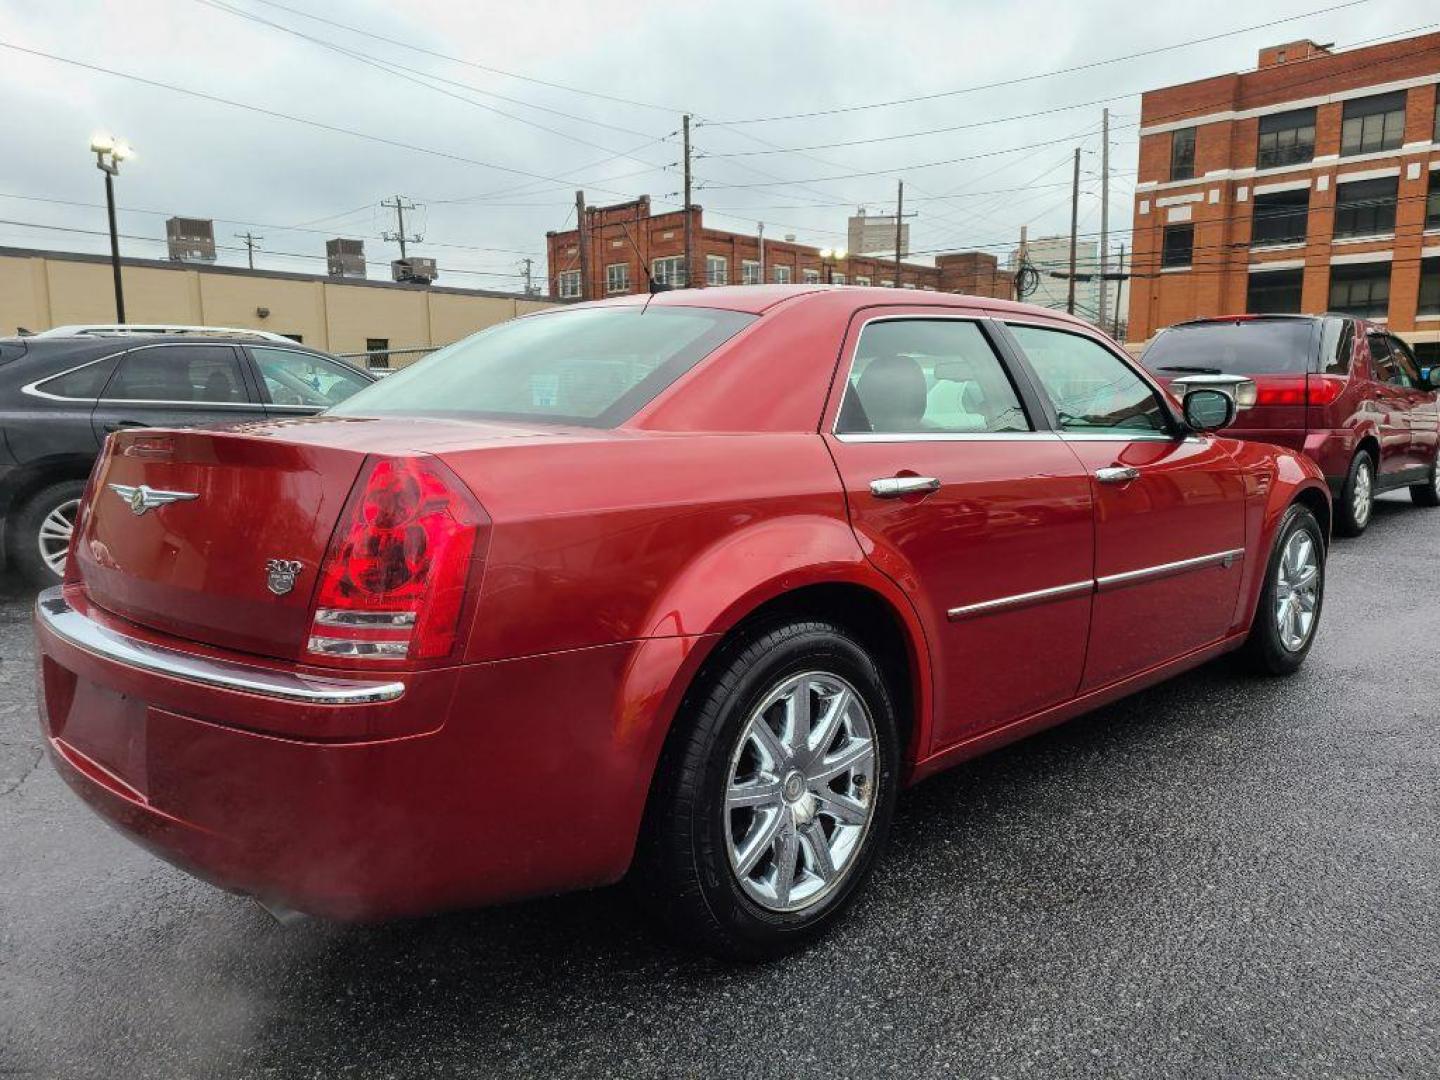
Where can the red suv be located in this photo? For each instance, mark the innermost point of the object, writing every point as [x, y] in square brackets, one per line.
[1347, 392]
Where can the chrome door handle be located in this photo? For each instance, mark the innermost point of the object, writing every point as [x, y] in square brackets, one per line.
[1117, 474]
[892, 487]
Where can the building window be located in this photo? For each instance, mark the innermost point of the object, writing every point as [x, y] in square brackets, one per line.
[377, 353]
[617, 278]
[810, 277]
[1430, 286]
[1366, 207]
[1286, 138]
[1432, 201]
[1179, 246]
[1373, 124]
[783, 275]
[569, 282]
[716, 270]
[1280, 217]
[669, 271]
[1274, 292]
[837, 278]
[862, 280]
[1361, 290]
[1182, 154]
[299, 339]
[749, 272]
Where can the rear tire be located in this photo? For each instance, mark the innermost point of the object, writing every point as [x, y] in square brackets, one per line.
[1428, 494]
[1287, 616]
[740, 795]
[39, 533]
[1356, 504]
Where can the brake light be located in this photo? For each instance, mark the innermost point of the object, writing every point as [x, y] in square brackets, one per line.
[1323, 389]
[394, 580]
[1280, 391]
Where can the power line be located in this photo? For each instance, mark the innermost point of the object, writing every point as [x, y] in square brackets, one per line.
[473, 64]
[1038, 75]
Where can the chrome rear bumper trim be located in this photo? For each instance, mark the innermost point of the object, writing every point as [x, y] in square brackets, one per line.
[57, 616]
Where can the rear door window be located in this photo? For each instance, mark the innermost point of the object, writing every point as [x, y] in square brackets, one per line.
[1386, 369]
[82, 383]
[179, 374]
[1249, 347]
[937, 376]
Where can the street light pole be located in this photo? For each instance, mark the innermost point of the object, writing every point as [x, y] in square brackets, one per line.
[109, 152]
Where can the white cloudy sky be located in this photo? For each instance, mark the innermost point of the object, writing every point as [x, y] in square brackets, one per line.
[474, 111]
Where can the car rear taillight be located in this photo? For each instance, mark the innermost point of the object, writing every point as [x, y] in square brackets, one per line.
[1323, 389]
[394, 580]
[1285, 390]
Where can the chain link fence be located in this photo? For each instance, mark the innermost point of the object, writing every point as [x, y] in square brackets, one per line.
[384, 361]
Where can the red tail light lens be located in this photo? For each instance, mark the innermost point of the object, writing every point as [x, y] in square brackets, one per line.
[395, 578]
[1283, 391]
[1325, 388]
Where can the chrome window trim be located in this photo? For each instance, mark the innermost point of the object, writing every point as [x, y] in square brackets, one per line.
[33, 388]
[1223, 559]
[1010, 603]
[54, 612]
[921, 313]
[940, 436]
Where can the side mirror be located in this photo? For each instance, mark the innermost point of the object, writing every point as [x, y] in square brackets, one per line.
[1209, 410]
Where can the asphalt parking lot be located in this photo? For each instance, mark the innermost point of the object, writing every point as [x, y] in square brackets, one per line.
[1220, 877]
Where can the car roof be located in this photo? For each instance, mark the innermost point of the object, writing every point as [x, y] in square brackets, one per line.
[758, 299]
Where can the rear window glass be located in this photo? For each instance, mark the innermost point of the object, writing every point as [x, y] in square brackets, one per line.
[83, 382]
[1258, 347]
[594, 366]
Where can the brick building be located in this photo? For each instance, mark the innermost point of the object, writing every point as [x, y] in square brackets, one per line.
[1309, 184]
[627, 239]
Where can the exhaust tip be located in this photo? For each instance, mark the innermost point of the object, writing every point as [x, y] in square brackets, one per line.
[279, 912]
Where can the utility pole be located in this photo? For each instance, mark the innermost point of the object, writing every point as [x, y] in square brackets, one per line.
[1104, 214]
[1119, 285]
[899, 219]
[527, 262]
[584, 244]
[760, 240]
[400, 204]
[250, 243]
[1074, 228]
[689, 232]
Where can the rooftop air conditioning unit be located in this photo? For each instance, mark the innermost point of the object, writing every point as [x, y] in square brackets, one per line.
[345, 258]
[190, 239]
[414, 271]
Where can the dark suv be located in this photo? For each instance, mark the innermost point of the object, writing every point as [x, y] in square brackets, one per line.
[61, 395]
[1347, 392]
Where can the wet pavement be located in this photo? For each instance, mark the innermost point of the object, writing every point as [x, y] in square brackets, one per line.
[1219, 877]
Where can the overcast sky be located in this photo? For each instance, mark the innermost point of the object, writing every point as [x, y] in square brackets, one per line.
[496, 136]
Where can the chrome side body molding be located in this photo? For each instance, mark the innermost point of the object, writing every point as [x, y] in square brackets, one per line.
[1222, 559]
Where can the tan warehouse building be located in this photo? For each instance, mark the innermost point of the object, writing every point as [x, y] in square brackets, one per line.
[43, 289]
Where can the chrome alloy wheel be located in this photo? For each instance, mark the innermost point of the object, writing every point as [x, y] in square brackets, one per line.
[800, 791]
[54, 535]
[1363, 496]
[1297, 590]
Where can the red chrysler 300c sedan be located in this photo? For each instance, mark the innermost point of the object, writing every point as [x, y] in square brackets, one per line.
[684, 587]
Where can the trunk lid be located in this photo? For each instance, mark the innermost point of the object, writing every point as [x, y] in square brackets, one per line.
[217, 505]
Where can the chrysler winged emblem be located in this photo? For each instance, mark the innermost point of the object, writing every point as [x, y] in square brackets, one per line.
[144, 497]
[280, 574]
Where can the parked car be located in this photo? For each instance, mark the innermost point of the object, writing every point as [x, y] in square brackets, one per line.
[683, 587]
[1345, 391]
[61, 395]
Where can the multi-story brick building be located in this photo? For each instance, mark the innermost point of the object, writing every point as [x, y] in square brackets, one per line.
[1309, 184]
[627, 240]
